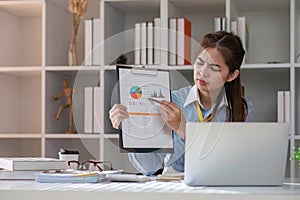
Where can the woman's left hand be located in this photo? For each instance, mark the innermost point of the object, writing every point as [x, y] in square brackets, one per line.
[173, 116]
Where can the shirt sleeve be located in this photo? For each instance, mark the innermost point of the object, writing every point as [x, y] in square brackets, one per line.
[250, 111]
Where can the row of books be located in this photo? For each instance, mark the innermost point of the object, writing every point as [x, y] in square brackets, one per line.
[220, 24]
[147, 38]
[92, 109]
[238, 26]
[92, 43]
[283, 106]
[179, 41]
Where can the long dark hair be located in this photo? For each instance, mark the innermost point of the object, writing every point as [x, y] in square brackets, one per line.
[231, 48]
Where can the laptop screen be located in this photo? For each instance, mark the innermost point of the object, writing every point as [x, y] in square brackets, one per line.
[235, 153]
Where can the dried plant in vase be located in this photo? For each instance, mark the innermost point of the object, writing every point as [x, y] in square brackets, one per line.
[78, 9]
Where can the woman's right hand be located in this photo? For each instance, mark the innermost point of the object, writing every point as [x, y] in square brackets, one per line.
[117, 114]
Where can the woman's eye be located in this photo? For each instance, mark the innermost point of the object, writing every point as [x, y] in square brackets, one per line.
[200, 63]
[215, 68]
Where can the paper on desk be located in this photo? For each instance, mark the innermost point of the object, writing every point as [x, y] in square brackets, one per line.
[128, 178]
[170, 177]
[74, 176]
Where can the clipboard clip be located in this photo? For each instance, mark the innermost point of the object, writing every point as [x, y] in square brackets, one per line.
[144, 71]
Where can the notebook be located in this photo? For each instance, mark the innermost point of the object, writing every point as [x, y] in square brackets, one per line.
[235, 154]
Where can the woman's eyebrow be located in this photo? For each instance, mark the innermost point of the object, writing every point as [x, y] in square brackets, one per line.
[211, 64]
[200, 59]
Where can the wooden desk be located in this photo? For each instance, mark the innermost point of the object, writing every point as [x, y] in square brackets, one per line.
[19, 190]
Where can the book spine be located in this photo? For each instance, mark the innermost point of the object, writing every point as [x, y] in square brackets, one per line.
[97, 109]
[287, 106]
[183, 41]
[88, 43]
[137, 44]
[172, 41]
[242, 32]
[96, 41]
[88, 110]
[233, 27]
[150, 43]
[280, 107]
[157, 36]
[217, 24]
[144, 43]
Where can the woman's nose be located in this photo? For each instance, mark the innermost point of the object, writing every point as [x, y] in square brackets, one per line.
[204, 70]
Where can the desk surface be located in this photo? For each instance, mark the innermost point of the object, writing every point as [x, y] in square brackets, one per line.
[12, 190]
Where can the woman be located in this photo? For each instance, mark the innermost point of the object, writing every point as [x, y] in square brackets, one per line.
[216, 96]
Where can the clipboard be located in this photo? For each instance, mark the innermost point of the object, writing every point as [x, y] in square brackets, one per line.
[145, 130]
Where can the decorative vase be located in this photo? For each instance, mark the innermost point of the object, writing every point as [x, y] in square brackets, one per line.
[72, 57]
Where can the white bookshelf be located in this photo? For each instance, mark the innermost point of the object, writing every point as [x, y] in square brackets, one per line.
[34, 55]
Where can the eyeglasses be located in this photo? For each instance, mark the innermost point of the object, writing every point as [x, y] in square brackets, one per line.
[91, 165]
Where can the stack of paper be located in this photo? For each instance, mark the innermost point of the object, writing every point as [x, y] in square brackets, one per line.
[31, 163]
[65, 176]
[74, 176]
[17, 175]
[28, 167]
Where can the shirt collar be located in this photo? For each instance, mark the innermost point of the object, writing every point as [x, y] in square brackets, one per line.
[194, 96]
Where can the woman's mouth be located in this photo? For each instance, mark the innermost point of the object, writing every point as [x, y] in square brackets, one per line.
[202, 82]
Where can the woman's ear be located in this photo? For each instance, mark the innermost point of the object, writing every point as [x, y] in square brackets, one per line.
[233, 75]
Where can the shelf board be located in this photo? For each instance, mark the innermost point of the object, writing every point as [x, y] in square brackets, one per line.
[75, 136]
[266, 66]
[177, 67]
[72, 68]
[297, 137]
[20, 135]
[21, 71]
[297, 65]
[111, 136]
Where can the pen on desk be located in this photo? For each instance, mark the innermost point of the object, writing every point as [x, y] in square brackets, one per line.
[155, 100]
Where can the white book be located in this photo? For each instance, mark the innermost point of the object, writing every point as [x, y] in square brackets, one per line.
[88, 110]
[280, 106]
[32, 163]
[150, 43]
[96, 41]
[137, 44]
[242, 29]
[233, 27]
[172, 41]
[287, 106]
[157, 37]
[97, 110]
[88, 42]
[18, 175]
[183, 41]
[242, 32]
[143, 43]
[217, 24]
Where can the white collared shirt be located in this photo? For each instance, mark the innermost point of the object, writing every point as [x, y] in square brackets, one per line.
[193, 96]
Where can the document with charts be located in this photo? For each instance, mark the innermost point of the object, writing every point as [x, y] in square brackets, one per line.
[145, 129]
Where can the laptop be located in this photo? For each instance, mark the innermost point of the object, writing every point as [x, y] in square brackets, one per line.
[235, 154]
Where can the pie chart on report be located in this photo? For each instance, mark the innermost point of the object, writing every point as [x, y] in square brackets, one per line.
[135, 92]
